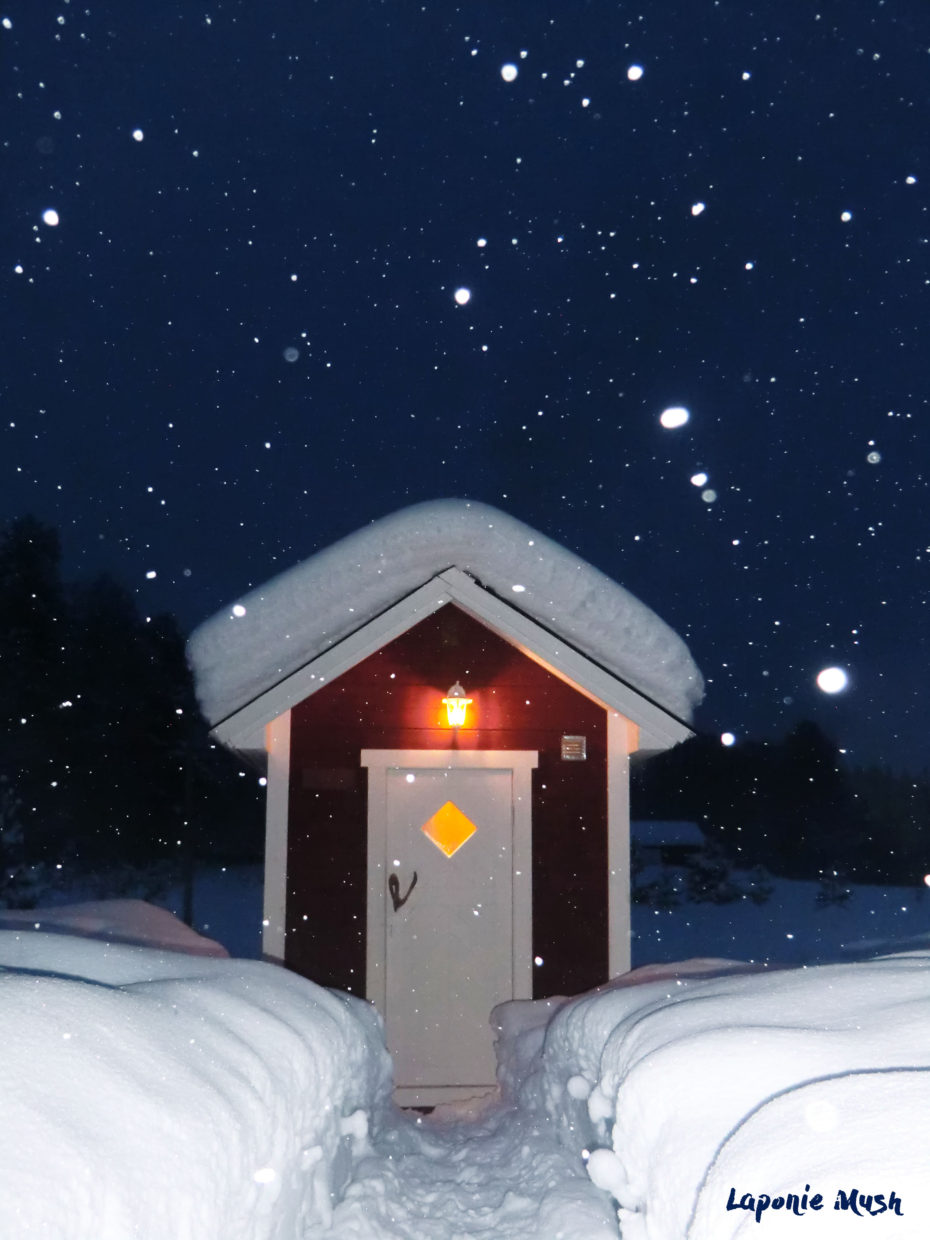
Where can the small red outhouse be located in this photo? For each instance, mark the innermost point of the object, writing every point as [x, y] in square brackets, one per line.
[447, 702]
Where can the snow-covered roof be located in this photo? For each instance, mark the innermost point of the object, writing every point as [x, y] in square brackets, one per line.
[278, 628]
[653, 833]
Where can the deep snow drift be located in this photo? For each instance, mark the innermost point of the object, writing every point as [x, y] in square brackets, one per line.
[153, 1094]
[678, 1083]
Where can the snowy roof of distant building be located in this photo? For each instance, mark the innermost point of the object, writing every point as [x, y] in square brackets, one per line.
[656, 834]
[279, 627]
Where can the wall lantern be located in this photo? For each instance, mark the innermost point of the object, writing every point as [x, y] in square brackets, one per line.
[456, 705]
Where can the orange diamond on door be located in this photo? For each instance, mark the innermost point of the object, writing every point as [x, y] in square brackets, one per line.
[449, 828]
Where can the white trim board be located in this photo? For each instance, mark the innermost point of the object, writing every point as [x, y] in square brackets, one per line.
[521, 762]
[621, 742]
[277, 797]
[243, 730]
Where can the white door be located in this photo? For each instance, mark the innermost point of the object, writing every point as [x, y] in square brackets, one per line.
[449, 932]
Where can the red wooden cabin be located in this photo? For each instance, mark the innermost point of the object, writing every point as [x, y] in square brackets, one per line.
[439, 869]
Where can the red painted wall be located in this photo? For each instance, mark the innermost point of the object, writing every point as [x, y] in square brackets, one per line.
[392, 700]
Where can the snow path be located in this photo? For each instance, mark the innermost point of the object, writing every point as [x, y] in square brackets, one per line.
[502, 1175]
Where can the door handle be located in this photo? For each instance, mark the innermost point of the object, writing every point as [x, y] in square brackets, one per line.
[394, 888]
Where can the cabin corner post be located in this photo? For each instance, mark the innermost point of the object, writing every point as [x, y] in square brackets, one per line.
[622, 740]
[376, 907]
[278, 746]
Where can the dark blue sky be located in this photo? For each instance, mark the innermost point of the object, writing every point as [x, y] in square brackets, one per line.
[318, 175]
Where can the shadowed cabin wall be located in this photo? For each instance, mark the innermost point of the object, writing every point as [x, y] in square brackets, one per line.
[392, 700]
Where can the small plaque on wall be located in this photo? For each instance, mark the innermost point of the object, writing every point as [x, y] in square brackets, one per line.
[573, 749]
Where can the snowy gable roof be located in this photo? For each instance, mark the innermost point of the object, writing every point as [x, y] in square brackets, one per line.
[278, 628]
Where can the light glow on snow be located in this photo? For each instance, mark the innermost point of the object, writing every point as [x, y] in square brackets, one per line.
[674, 416]
[238, 610]
[832, 680]
[462, 296]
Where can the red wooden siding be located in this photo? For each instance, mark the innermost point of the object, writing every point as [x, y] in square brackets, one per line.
[392, 700]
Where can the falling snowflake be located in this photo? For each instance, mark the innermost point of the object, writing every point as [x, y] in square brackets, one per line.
[673, 417]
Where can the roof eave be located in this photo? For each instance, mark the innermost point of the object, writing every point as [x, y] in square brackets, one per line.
[659, 728]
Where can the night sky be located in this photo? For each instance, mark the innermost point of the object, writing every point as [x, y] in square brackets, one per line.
[241, 340]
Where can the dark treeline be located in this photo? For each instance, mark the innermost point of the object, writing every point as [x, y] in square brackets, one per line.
[105, 759]
[793, 807]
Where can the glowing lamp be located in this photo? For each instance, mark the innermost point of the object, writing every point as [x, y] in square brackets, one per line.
[456, 705]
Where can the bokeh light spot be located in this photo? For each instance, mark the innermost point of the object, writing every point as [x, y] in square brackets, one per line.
[832, 680]
[675, 416]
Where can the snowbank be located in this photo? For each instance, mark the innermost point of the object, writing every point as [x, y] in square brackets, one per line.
[151, 1094]
[115, 921]
[678, 1083]
[155, 1094]
[302, 612]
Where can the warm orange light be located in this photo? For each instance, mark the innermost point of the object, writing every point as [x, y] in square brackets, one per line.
[456, 705]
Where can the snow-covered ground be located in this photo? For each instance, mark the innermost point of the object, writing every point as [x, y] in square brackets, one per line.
[152, 1093]
[790, 928]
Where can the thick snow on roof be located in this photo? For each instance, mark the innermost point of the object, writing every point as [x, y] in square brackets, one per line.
[277, 628]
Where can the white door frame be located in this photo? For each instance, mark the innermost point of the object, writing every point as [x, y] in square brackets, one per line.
[521, 763]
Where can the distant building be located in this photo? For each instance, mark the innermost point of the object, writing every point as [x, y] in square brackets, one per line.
[441, 867]
[667, 843]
